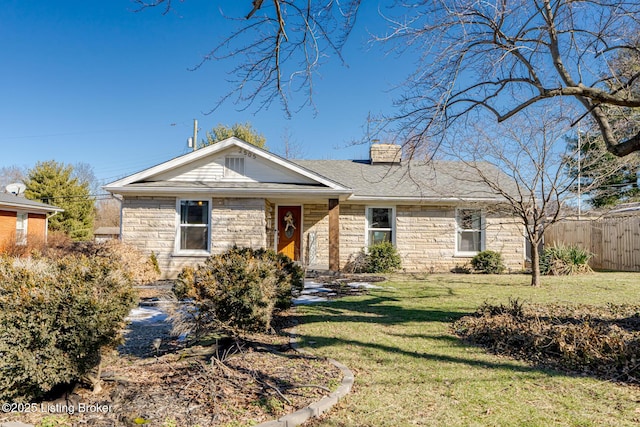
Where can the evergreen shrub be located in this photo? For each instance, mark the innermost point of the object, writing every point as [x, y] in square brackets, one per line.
[383, 258]
[380, 258]
[55, 316]
[240, 288]
[489, 262]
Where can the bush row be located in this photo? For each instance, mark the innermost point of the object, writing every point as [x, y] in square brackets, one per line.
[556, 260]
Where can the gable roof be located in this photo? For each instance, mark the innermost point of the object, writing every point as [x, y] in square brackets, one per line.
[167, 176]
[435, 180]
[413, 181]
[13, 202]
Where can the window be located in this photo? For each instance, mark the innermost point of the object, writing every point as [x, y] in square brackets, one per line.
[380, 225]
[22, 219]
[470, 237]
[194, 225]
[233, 166]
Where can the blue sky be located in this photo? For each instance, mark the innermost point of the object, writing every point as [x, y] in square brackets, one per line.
[95, 82]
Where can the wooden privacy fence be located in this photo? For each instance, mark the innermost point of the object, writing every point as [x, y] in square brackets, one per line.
[614, 241]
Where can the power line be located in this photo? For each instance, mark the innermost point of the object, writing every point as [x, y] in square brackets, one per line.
[101, 196]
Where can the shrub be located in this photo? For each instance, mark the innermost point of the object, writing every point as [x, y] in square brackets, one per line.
[383, 258]
[240, 288]
[184, 286]
[55, 316]
[560, 260]
[357, 263]
[488, 262]
[380, 258]
[132, 262]
[153, 260]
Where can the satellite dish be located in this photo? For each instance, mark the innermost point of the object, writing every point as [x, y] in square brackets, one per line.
[17, 188]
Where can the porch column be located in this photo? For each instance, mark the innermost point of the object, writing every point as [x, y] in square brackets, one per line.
[334, 235]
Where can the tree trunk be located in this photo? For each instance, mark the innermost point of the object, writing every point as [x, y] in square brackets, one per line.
[535, 264]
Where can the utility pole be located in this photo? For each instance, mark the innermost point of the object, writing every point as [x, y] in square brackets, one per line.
[195, 134]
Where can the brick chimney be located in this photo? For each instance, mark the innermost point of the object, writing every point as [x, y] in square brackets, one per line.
[385, 153]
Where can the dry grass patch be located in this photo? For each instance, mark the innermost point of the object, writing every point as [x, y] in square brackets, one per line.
[586, 340]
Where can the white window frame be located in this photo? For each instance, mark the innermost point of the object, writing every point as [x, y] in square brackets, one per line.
[22, 218]
[368, 228]
[459, 230]
[179, 226]
[229, 171]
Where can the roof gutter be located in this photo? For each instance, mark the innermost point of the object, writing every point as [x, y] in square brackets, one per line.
[30, 208]
[424, 199]
[164, 191]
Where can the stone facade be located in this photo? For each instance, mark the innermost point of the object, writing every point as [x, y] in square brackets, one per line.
[425, 235]
[426, 238]
[149, 223]
[239, 222]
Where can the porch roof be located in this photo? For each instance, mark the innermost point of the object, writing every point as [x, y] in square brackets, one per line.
[248, 188]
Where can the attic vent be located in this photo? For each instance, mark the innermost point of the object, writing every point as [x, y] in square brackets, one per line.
[385, 153]
[234, 166]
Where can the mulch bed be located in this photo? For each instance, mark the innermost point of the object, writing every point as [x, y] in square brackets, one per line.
[234, 382]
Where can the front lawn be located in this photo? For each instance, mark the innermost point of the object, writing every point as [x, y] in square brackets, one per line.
[412, 370]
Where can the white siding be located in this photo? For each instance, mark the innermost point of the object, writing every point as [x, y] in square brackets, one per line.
[212, 169]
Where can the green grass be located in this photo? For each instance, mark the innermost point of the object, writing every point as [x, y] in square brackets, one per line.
[411, 370]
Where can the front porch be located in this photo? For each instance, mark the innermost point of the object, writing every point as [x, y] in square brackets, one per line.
[306, 232]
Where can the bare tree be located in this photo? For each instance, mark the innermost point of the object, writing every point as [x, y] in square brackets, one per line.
[84, 173]
[279, 44]
[10, 175]
[107, 213]
[505, 56]
[531, 152]
[502, 56]
[291, 148]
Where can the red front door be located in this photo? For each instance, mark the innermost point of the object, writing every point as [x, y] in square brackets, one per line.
[289, 231]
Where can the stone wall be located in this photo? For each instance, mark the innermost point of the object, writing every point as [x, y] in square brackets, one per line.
[505, 234]
[239, 222]
[425, 236]
[315, 240]
[149, 223]
[316, 221]
[352, 226]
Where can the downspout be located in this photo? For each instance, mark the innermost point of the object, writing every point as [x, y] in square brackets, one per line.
[46, 225]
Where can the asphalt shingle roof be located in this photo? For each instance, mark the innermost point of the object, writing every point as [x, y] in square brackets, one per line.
[20, 202]
[426, 180]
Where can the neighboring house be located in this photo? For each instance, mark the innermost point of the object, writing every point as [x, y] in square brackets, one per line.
[102, 234]
[321, 213]
[23, 221]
